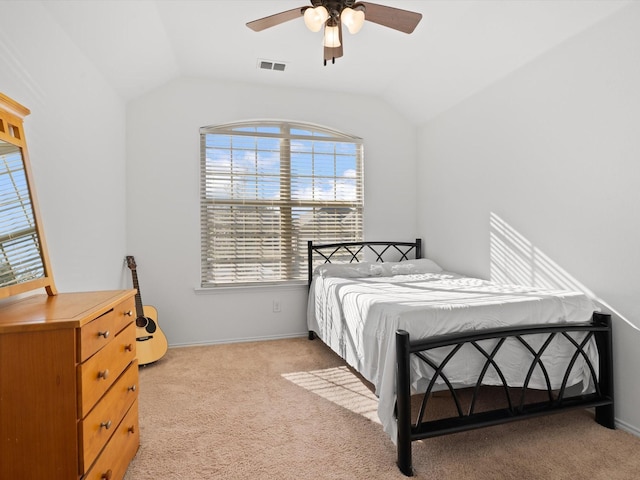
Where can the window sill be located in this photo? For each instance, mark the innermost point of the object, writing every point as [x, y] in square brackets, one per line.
[245, 288]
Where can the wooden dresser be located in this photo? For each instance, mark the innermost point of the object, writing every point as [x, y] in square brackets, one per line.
[68, 386]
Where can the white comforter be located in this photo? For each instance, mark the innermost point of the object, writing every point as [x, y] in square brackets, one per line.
[358, 318]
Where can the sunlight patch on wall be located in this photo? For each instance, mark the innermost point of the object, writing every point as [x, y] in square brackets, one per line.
[514, 259]
[340, 386]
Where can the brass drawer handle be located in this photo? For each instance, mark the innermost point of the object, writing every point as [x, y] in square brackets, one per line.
[128, 313]
[106, 425]
[103, 374]
[106, 475]
[132, 388]
[104, 334]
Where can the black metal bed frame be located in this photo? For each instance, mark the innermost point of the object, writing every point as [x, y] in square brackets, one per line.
[557, 400]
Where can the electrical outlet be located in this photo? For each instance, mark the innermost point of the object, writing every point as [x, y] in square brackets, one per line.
[276, 306]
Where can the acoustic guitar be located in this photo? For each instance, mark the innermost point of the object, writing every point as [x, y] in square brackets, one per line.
[151, 342]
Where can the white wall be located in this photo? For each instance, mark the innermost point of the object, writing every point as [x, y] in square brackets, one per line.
[537, 179]
[76, 141]
[163, 229]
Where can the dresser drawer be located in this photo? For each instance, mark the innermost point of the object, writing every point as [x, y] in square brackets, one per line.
[96, 429]
[99, 372]
[97, 333]
[124, 313]
[115, 458]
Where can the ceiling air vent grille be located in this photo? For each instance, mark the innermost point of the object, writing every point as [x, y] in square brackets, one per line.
[271, 65]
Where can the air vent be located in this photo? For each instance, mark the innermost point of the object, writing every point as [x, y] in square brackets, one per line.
[271, 65]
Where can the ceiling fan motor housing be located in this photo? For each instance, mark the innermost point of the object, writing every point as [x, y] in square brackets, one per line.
[334, 7]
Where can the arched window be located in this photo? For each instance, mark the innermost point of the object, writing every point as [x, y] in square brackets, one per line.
[267, 188]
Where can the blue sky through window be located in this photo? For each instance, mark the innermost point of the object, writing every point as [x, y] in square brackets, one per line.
[249, 167]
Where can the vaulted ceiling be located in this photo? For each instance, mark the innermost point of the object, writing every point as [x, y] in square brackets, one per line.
[459, 47]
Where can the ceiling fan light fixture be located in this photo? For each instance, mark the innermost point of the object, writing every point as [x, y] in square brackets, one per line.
[352, 19]
[331, 36]
[315, 18]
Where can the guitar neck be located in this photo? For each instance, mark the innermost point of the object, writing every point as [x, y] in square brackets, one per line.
[139, 308]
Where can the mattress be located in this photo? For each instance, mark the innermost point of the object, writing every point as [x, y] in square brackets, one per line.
[357, 317]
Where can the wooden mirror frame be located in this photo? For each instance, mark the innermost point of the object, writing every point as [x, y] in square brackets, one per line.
[11, 131]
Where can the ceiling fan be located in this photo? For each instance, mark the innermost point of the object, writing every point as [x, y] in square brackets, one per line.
[332, 14]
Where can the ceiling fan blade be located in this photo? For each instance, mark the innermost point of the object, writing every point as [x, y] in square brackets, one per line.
[331, 53]
[276, 19]
[396, 18]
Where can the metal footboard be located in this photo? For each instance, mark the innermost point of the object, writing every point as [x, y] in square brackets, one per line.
[556, 400]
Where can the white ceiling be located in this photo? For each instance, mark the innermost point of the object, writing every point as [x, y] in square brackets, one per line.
[459, 47]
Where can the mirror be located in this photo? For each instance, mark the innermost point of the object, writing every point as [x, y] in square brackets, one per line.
[24, 262]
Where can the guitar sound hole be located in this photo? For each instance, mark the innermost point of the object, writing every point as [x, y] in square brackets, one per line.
[141, 322]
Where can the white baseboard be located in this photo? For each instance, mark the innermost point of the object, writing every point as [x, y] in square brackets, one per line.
[240, 340]
[628, 428]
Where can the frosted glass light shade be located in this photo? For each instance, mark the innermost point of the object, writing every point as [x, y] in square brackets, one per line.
[331, 37]
[352, 19]
[314, 18]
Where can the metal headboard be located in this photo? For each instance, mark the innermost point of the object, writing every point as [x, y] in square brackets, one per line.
[351, 252]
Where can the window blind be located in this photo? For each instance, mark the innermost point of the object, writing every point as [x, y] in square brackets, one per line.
[269, 187]
[19, 249]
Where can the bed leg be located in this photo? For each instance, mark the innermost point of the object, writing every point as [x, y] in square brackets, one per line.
[605, 415]
[403, 403]
[312, 335]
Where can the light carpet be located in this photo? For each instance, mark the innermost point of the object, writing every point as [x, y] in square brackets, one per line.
[291, 409]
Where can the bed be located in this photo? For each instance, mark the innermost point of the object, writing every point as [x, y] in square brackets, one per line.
[414, 330]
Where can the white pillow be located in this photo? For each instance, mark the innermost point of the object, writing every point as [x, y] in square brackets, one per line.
[349, 270]
[421, 265]
[371, 269]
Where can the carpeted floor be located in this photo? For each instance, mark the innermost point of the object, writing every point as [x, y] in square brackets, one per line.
[291, 409]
